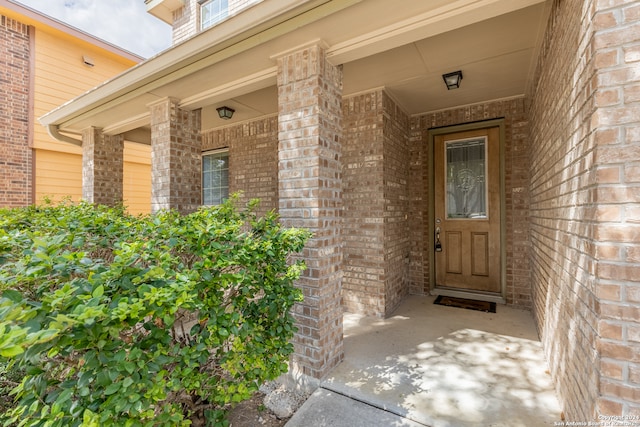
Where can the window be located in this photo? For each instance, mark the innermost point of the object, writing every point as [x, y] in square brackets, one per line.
[215, 177]
[466, 184]
[212, 11]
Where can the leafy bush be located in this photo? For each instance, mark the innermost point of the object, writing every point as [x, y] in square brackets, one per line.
[142, 321]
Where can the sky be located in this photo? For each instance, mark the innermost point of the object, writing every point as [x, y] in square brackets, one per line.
[124, 23]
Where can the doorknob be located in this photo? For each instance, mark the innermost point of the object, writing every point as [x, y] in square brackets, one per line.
[438, 246]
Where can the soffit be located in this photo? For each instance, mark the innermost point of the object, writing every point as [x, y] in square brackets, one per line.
[496, 57]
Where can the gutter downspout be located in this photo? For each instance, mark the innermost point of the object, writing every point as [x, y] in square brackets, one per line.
[54, 132]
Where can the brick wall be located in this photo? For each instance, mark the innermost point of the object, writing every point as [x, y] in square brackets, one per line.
[396, 156]
[615, 57]
[375, 232]
[518, 290]
[363, 285]
[186, 20]
[582, 118]
[16, 158]
[253, 159]
[176, 163]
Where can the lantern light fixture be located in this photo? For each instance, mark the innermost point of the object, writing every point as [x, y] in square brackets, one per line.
[225, 112]
[452, 80]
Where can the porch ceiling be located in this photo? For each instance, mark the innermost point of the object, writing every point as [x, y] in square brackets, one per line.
[403, 49]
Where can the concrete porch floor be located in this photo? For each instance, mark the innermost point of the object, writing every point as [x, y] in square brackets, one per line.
[436, 366]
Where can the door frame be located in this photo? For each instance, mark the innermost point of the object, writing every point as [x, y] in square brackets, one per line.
[430, 241]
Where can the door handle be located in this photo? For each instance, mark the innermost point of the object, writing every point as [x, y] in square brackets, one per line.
[438, 246]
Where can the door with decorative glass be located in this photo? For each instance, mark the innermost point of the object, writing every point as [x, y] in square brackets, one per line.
[468, 211]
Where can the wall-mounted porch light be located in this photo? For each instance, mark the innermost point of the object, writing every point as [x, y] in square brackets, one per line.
[225, 112]
[452, 80]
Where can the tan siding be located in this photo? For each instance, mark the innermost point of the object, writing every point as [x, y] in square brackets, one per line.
[137, 178]
[58, 175]
[61, 75]
[137, 153]
[137, 188]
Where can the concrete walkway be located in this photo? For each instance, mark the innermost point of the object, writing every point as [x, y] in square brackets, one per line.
[436, 366]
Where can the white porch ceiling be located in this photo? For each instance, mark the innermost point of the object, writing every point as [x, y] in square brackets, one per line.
[404, 47]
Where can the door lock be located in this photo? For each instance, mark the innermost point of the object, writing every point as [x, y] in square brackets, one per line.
[438, 246]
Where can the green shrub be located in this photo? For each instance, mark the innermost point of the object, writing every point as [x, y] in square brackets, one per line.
[142, 321]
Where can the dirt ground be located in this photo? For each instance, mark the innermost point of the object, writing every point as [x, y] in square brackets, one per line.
[252, 413]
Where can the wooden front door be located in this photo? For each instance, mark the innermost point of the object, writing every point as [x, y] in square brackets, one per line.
[467, 210]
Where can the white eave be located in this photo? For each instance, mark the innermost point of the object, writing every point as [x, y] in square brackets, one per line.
[163, 9]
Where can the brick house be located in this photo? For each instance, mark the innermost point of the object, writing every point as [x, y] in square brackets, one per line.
[527, 175]
[43, 63]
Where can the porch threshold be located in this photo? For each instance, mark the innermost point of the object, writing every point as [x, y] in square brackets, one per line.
[443, 367]
[480, 296]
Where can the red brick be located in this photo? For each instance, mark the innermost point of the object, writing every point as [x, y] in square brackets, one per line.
[604, 20]
[619, 312]
[607, 97]
[632, 13]
[620, 233]
[610, 331]
[626, 392]
[606, 59]
[609, 213]
[618, 351]
[614, 116]
[609, 407]
[15, 172]
[631, 53]
[632, 132]
[633, 293]
[177, 149]
[609, 174]
[631, 93]
[618, 36]
[310, 132]
[102, 167]
[621, 272]
[253, 166]
[632, 213]
[609, 292]
[631, 173]
[609, 252]
[634, 373]
[607, 136]
[612, 369]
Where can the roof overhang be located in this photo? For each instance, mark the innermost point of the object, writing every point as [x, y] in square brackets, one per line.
[236, 60]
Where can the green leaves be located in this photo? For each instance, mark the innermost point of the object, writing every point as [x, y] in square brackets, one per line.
[117, 320]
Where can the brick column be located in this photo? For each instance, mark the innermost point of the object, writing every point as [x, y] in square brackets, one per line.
[310, 189]
[102, 167]
[176, 148]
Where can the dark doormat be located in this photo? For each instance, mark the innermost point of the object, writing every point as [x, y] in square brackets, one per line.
[470, 304]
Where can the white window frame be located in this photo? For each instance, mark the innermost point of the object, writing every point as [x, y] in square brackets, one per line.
[217, 11]
[222, 188]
